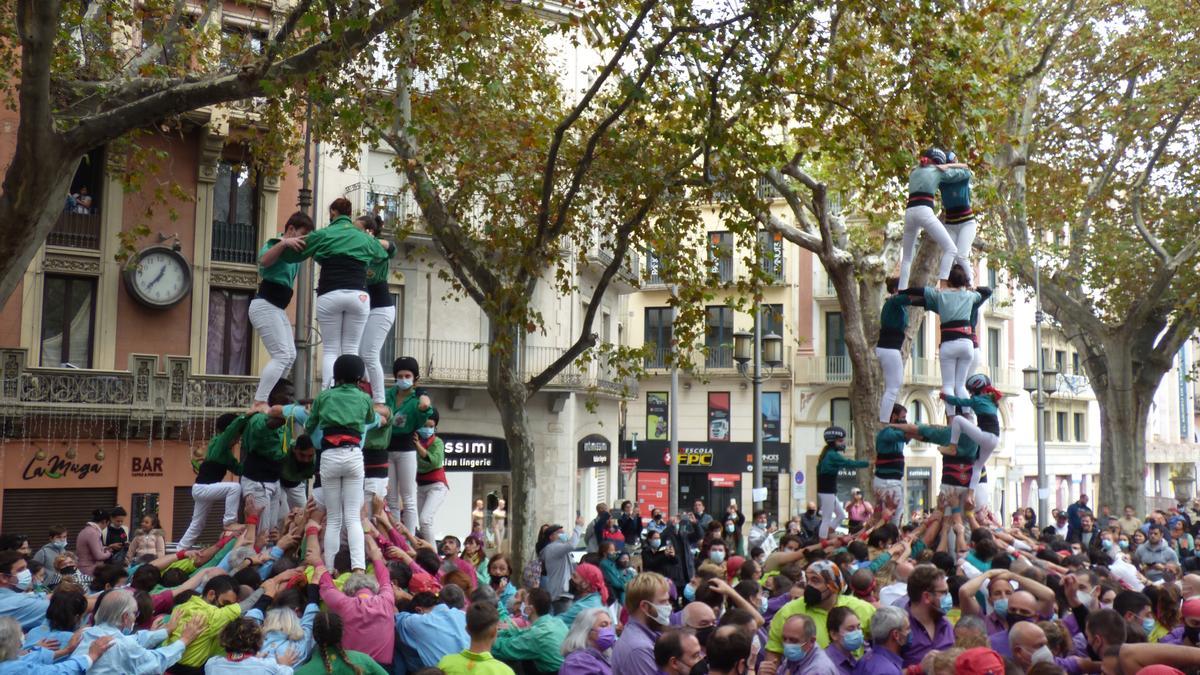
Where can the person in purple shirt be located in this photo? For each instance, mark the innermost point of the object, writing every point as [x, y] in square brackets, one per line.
[801, 654]
[586, 648]
[929, 600]
[845, 639]
[890, 631]
[649, 604]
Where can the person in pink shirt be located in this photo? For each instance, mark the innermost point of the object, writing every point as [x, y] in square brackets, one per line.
[452, 560]
[89, 547]
[366, 604]
[859, 511]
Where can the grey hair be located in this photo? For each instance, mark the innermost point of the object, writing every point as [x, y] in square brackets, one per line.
[114, 607]
[971, 622]
[10, 639]
[886, 620]
[485, 593]
[239, 556]
[577, 637]
[810, 626]
[283, 620]
[452, 596]
[359, 581]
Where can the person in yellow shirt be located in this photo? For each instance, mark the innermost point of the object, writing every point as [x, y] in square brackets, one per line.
[822, 592]
[482, 621]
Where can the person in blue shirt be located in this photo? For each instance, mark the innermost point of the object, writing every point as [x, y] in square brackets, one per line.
[63, 617]
[16, 600]
[40, 661]
[133, 653]
[432, 629]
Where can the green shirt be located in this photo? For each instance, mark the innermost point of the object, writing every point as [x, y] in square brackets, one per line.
[338, 239]
[281, 272]
[470, 663]
[207, 644]
[436, 458]
[262, 440]
[862, 610]
[927, 179]
[220, 447]
[939, 435]
[407, 417]
[316, 664]
[377, 272]
[342, 406]
[540, 643]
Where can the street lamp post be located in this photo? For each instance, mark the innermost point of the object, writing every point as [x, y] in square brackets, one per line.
[1040, 382]
[761, 350]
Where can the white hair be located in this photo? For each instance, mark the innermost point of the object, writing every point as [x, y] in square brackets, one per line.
[10, 639]
[283, 620]
[359, 581]
[810, 626]
[884, 621]
[577, 637]
[114, 607]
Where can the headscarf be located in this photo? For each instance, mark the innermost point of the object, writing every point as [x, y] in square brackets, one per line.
[733, 566]
[595, 578]
[831, 573]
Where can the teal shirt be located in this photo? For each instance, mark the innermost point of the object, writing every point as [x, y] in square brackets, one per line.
[589, 601]
[939, 435]
[836, 461]
[889, 453]
[982, 405]
[540, 643]
[956, 195]
[895, 312]
[281, 272]
[952, 304]
[927, 179]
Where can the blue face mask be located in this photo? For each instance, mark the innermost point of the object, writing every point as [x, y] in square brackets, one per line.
[655, 543]
[947, 603]
[425, 432]
[763, 604]
[404, 383]
[854, 640]
[59, 545]
[793, 652]
[1148, 625]
[689, 593]
[717, 556]
[1000, 607]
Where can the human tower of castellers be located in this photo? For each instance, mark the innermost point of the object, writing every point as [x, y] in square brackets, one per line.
[346, 575]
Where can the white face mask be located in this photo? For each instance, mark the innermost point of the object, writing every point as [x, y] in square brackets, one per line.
[1042, 655]
[24, 579]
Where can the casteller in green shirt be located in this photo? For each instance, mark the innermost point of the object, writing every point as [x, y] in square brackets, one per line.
[471, 663]
[540, 643]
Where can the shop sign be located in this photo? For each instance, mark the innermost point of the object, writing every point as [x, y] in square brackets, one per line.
[468, 452]
[147, 467]
[920, 472]
[57, 467]
[712, 456]
[594, 451]
[724, 479]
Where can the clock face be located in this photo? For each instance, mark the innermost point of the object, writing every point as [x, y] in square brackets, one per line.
[161, 277]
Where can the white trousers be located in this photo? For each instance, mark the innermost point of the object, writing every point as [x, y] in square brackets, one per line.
[342, 485]
[203, 497]
[402, 488]
[832, 513]
[342, 315]
[275, 330]
[893, 377]
[379, 322]
[956, 357]
[963, 235]
[921, 218]
[885, 487]
[429, 499]
[987, 441]
[295, 497]
[265, 496]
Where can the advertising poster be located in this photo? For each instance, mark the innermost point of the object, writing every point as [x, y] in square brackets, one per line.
[718, 416]
[656, 416]
[771, 401]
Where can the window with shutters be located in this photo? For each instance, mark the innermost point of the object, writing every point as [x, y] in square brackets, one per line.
[32, 512]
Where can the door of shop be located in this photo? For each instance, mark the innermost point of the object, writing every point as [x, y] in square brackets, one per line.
[716, 495]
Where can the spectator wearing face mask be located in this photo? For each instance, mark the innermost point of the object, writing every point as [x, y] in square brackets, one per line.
[56, 546]
[15, 600]
[586, 649]
[590, 590]
[731, 530]
[648, 602]
[889, 633]
[554, 550]
[676, 652]
[801, 655]
[929, 601]
[1188, 632]
[1029, 645]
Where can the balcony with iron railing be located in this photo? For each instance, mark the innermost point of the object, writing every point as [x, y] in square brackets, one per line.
[235, 242]
[917, 371]
[717, 361]
[143, 391]
[76, 230]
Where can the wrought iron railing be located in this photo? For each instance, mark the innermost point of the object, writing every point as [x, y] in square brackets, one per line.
[76, 230]
[234, 242]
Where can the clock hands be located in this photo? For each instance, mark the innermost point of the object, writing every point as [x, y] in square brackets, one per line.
[161, 272]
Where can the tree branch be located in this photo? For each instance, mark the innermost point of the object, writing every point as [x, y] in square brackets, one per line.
[1139, 186]
[285, 32]
[37, 24]
[170, 36]
[1051, 44]
[101, 128]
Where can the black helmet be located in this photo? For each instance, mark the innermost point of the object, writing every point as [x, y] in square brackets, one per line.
[349, 368]
[936, 155]
[834, 434]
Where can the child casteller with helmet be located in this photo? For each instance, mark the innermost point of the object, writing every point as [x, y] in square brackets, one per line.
[829, 463]
[985, 402]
